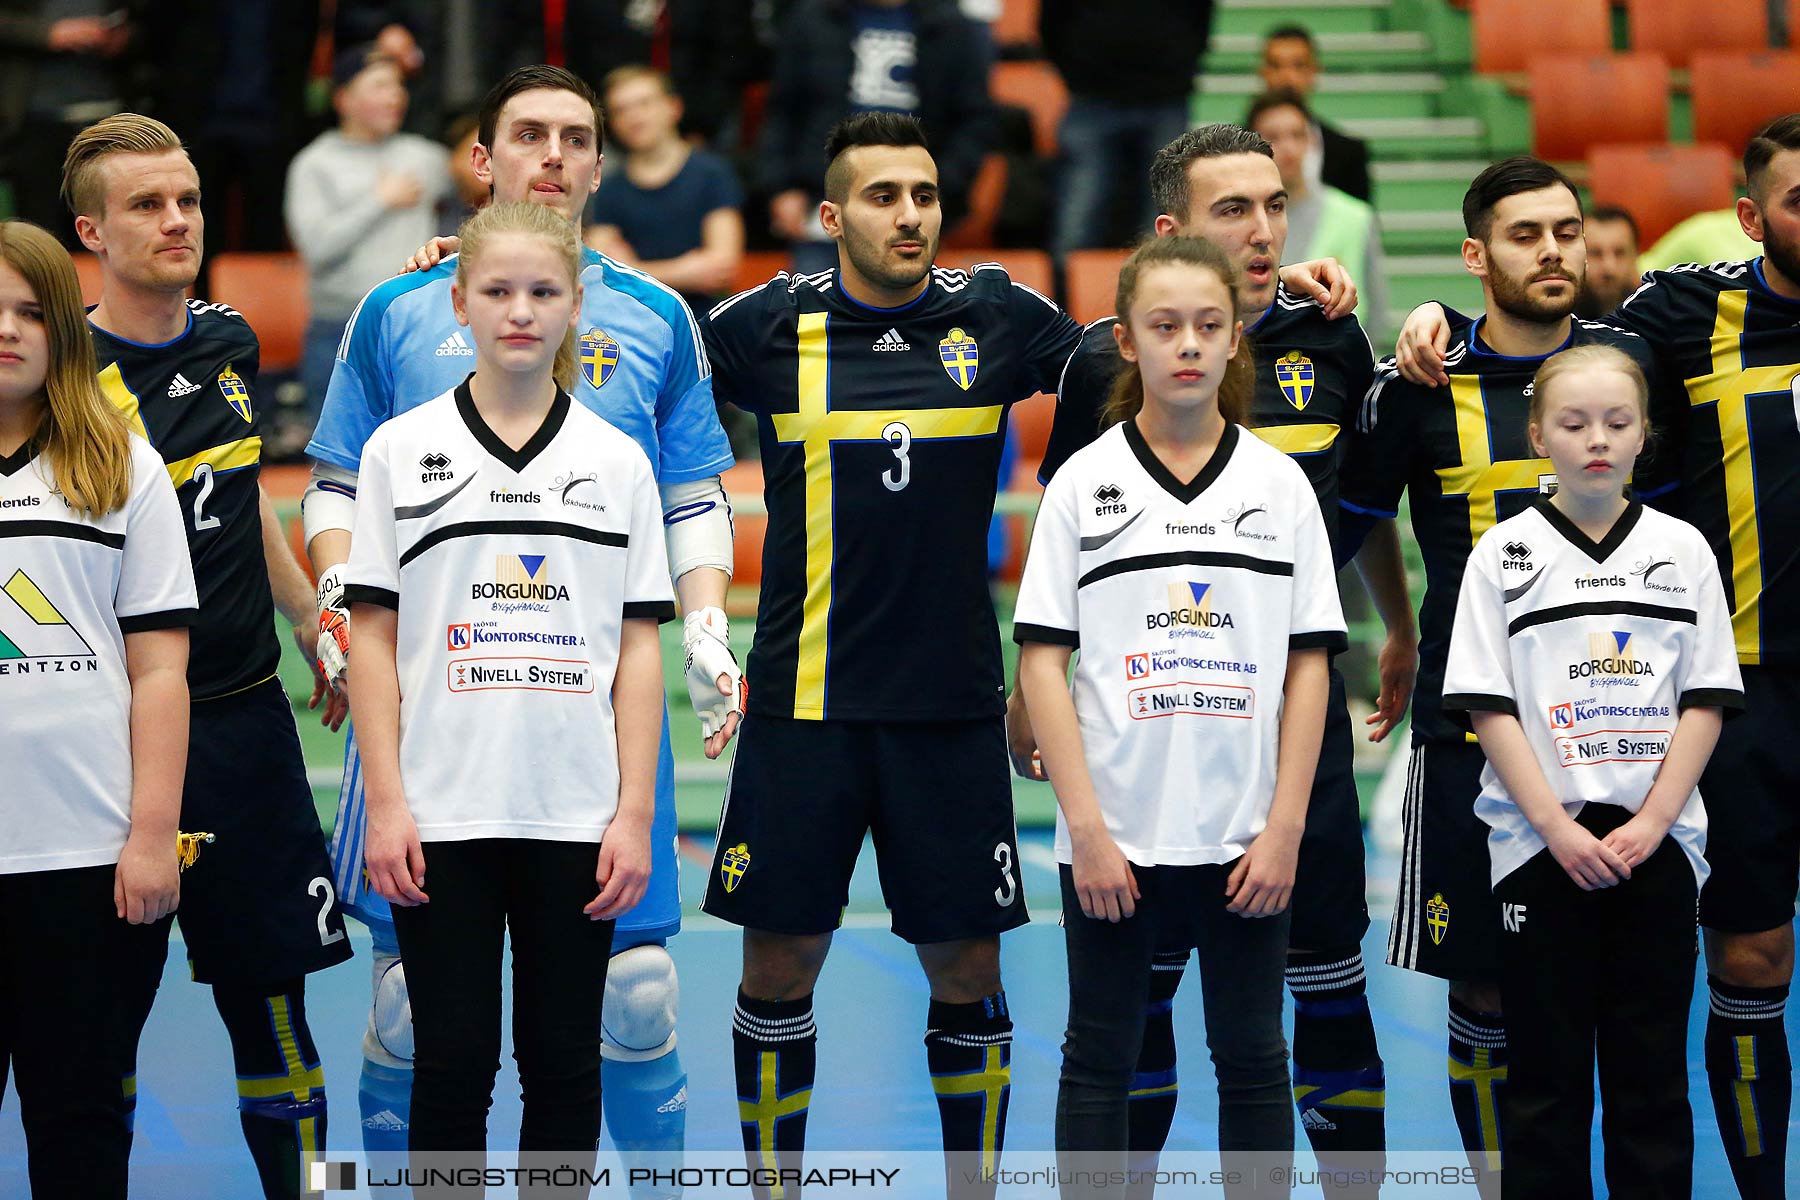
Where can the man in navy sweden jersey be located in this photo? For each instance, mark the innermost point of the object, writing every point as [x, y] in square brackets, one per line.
[1726, 340]
[258, 909]
[1220, 182]
[880, 389]
[1462, 456]
[643, 368]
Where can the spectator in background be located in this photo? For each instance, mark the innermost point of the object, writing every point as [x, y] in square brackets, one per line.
[1707, 237]
[360, 198]
[1612, 251]
[468, 192]
[58, 74]
[837, 57]
[668, 209]
[1290, 62]
[1128, 98]
[1323, 221]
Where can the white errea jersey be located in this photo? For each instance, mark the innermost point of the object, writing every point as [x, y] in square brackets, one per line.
[71, 588]
[512, 572]
[1183, 601]
[1595, 647]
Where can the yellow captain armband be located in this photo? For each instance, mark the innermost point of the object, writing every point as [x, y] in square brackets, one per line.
[187, 847]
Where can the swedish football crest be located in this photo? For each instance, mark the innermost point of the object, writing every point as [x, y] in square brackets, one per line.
[732, 865]
[1437, 917]
[961, 357]
[236, 393]
[599, 355]
[1294, 373]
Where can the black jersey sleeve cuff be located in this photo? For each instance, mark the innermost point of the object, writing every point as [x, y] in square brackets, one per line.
[1333, 641]
[173, 618]
[1728, 699]
[1047, 634]
[1457, 706]
[659, 611]
[362, 593]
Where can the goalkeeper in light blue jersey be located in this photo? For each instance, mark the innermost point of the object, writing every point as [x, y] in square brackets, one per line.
[643, 368]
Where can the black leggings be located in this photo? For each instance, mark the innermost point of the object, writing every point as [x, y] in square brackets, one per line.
[71, 966]
[1241, 964]
[480, 890]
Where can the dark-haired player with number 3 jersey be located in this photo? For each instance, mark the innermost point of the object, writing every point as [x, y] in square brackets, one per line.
[1726, 339]
[258, 910]
[1220, 182]
[881, 390]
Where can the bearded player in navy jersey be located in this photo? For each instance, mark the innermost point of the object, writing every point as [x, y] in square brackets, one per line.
[1220, 182]
[642, 367]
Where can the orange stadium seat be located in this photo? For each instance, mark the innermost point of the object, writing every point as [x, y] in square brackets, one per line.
[986, 195]
[1737, 94]
[1509, 34]
[746, 479]
[1032, 418]
[1018, 23]
[1037, 88]
[1677, 29]
[759, 266]
[1029, 267]
[87, 269]
[1566, 118]
[270, 291]
[1661, 186]
[1091, 278]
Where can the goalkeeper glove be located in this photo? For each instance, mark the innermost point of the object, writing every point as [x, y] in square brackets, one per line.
[334, 628]
[705, 641]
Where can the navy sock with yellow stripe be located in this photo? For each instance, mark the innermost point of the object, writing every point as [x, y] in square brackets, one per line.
[774, 1047]
[1752, 1083]
[1340, 1086]
[968, 1048]
[280, 1082]
[1477, 1065]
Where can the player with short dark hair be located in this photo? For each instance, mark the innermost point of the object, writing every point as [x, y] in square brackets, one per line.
[1726, 343]
[881, 388]
[1220, 182]
[259, 912]
[1463, 459]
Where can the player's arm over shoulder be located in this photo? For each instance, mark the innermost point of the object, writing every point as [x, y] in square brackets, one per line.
[1680, 302]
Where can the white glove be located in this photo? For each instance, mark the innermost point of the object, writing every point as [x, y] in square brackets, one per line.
[334, 628]
[705, 639]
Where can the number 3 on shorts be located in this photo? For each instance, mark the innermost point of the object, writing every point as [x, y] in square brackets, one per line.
[1003, 895]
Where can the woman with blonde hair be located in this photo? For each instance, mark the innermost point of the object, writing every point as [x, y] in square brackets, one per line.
[96, 595]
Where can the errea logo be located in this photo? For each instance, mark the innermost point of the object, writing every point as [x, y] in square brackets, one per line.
[1109, 500]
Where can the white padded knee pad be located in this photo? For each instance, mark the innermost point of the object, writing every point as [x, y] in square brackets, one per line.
[389, 1039]
[637, 1022]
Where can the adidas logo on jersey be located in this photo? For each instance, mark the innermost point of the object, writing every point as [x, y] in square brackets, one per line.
[676, 1103]
[386, 1121]
[179, 386]
[455, 346]
[1312, 1118]
[891, 340]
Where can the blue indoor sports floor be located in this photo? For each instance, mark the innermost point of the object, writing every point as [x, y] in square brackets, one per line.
[872, 1085]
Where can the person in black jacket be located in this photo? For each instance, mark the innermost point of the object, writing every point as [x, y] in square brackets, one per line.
[1128, 98]
[838, 57]
[1290, 61]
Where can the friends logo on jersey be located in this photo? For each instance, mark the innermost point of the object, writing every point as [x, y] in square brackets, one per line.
[521, 583]
[599, 356]
[520, 674]
[1188, 698]
[961, 358]
[236, 393]
[1611, 662]
[1190, 612]
[1250, 520]
[574, 490]
[35, 637]
[1646, 572]
[1294, 375]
